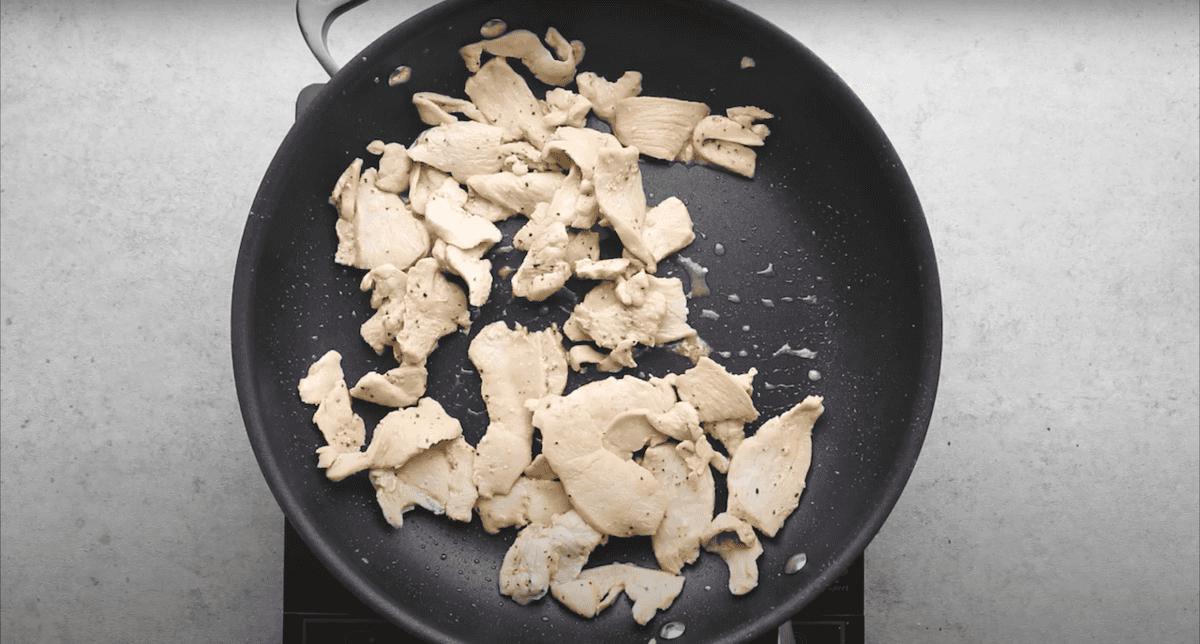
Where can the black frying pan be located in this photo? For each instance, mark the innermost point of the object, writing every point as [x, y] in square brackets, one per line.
[830, 211]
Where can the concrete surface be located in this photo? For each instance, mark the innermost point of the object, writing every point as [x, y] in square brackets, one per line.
[1054, 147]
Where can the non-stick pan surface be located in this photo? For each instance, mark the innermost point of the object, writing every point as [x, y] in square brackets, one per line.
[826, 249]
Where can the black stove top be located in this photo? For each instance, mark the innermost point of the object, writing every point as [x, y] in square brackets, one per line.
[317, 609]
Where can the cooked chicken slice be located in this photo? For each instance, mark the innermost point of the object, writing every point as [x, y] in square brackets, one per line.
[469, 265]
[381, 229]
[646, 310]
[323, 376]
[715, 393]
[422, 182]
[603, 269]
[526, 46]
[668, 228]
[325, 386]
[658, 127]
[583, 246]
[545, 269]
[461, 148]
[540, 469]
[436, 109]
[399, 387]
[622, 200]
[529, 501]
[604, 95]
[433, 307]
[737, 544]
[438, 479]
[597, 588]
[582, 354]
[731, 433]
[727, 141]
[572, 204]
[766, 474]
[630, 431]
[614, 494]
[388, 286]
[514, 366]
[564, 107]
[521, 157]
[543, 555]
[447, 219]
[578, 146]
[504, 97]
[399, 436]
[518, 193]
[394, 166]
[689, 511]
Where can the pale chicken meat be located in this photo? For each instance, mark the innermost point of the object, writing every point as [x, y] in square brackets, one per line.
[438, 109]
[692, 494]
[325, 386]
[667, 229]
[643, 309]
[767, 473]
[434, 306]
[381, 229]
[735, 541]
[461, 149]
[604, 94]
[394, 166]
[398, 387]
[388, 286]
[517, 193]
[728, 141]
[564, 107]
[447, 218]
[552, 68]
[438, 479]
[616, 495]
[504, 98]
[715, 393]
[399, 436]
[622, 200]
[546, 554]
[515, 366]
[597, 588]
[658, 127]
[531, 500]
[544, 270]
[470, 265]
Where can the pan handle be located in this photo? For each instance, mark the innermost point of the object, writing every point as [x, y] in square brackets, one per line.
[314, 17]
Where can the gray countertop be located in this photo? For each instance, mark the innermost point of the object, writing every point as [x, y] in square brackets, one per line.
[1054, 147]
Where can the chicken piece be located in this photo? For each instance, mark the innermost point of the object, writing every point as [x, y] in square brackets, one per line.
[514, 366]
[388, 286]
[543, 555]
[540, 469]
[399, 436]
[615, 495]
[689, 510]
[766, 474]
[545, 269]
[323, 376]
[668, 228]
[438, 479]
[530, 500]
[434, 306]
[578, 146]
[629, 431]
[622, 200]
[448, 220]
[731, 433]
[681, 422]
[504, 97]
[399, 387]
[469, 265]
[380, 229]
[422, 182]
[604, 269]
[564, 107]
[646, 310]
[727, 141]
[325, 386]
[715, 393]
[572, 204]
[582, 354]
[437, 109]
[658, 127]
[394, 166]
[461, 149]
[604, 95]
[518, 193]
[526, 46]
[583, 246]
[597, 588]
[734, 540]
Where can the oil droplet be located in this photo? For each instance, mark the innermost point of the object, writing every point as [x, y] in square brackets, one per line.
[710, 314]
[769, 271]
[795, 563]
[400, 76]
[545, 619]
[733, 297]
[443, 556]
[719, 250]
[768, 303]
[671, 630]
[493, 28]
[814, 375]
